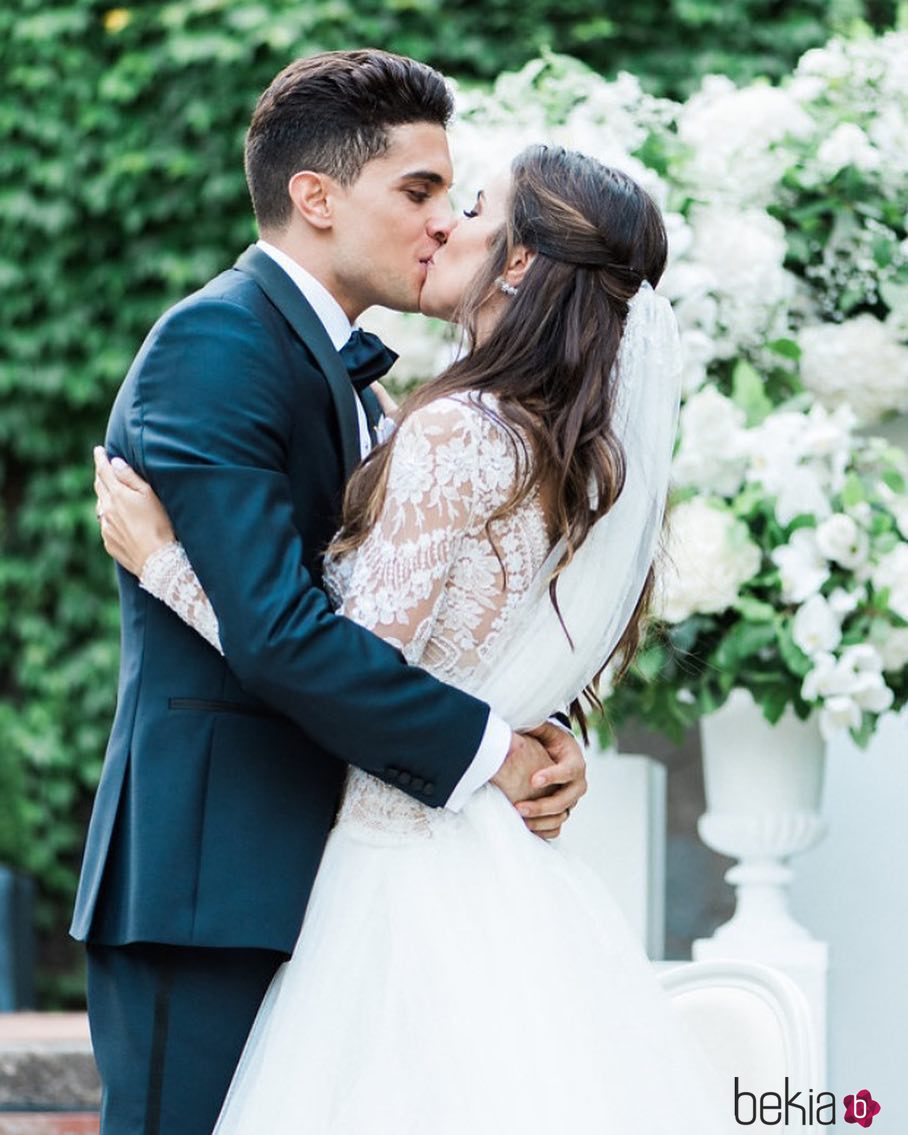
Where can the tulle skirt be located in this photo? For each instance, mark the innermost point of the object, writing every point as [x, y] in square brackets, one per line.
[476, 980]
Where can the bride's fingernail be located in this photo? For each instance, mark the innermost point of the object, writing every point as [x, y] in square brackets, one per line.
[118, 463]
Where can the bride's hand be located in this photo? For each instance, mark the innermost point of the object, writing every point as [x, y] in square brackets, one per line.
[133, 521]
[388, 405]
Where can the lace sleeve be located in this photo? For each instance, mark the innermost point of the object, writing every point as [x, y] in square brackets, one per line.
[441, 472]
[169, 576]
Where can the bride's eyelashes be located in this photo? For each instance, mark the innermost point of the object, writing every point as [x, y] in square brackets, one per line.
[471, 213]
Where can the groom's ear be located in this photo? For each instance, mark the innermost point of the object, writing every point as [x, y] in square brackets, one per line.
[311, 196]
[518, 263]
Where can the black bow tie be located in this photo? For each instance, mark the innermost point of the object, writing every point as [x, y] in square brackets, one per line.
[366, 358]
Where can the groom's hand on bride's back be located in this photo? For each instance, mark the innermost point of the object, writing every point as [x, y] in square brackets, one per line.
[544, 775]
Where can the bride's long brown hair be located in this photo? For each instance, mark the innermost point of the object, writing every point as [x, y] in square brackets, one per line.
[550, 360]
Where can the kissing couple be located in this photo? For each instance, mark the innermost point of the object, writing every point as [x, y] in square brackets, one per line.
[320, 892]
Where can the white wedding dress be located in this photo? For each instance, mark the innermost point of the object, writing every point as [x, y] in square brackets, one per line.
[456, 974]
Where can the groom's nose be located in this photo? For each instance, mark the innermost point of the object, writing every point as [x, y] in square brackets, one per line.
[442, 224]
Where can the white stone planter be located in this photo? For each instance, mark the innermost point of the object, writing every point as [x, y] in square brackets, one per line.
[763, 785]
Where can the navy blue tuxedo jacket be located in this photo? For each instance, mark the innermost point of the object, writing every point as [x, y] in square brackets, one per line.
[222, 774]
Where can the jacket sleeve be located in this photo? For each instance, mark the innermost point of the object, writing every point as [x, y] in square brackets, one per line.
[214, 419]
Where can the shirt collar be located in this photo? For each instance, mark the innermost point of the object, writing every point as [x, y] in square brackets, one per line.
[325, 306]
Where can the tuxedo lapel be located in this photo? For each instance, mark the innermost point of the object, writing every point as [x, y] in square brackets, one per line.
[295, 308]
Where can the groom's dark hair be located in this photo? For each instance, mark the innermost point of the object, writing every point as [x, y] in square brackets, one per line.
[331, 113]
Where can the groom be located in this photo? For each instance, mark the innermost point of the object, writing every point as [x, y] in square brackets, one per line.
[222, 775]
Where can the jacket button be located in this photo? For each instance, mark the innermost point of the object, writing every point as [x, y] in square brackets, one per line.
[417, 783]
[393, 773]
[429, 789]
[404, 778]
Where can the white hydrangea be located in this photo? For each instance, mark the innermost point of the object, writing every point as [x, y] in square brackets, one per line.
[740, 256]
[857, 362]
[711, 456]
[783, 458]
[733, 137]
[709, 557]
[847, 145]
[859, 83]
[698, 350]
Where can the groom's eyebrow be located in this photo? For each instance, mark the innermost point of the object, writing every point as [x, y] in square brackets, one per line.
[431, 176]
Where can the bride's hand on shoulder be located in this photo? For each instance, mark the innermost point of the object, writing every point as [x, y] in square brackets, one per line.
[387, 402]
[134, 523]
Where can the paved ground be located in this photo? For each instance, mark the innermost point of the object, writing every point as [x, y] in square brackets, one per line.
[48, 1082]
[46, 1123]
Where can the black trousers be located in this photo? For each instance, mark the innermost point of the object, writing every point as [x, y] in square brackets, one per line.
[168, 1024]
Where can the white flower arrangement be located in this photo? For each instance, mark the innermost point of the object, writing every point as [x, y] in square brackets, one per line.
[787, 571]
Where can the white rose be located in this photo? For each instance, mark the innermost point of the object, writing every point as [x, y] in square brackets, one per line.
[871, 693]
[856, 677]
[839, 712]
[892, 572]
[802, 567]
[815, 626]
[801, 493]
[894, 649]
[843, 602]
[818, 682]
[841, 540]
[709, 557]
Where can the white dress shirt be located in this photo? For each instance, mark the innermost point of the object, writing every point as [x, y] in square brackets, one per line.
[496, 739]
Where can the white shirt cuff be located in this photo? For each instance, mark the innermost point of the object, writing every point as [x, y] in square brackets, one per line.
[490, 756]
[561, 725]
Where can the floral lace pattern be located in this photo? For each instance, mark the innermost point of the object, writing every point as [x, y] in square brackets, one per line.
[433, 577]
[169, 576]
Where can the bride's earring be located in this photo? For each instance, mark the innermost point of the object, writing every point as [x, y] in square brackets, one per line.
[503, 286]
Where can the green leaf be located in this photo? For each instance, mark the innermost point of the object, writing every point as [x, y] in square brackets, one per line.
[795, 658]
[787, 348]
[754, 610]
[853, 492]
[742, 641]
[749, 392]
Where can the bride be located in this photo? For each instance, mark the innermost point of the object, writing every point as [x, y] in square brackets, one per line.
[503, 539]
